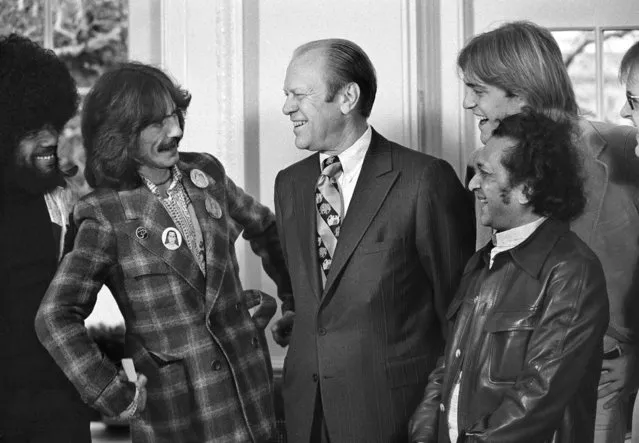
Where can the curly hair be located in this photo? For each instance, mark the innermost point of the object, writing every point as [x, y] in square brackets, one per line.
[119, 106]
[36, 91]
[546, 160]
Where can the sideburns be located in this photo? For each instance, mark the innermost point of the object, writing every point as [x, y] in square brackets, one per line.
[504, 194]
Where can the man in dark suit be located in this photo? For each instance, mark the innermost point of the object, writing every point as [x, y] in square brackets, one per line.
[376, 237]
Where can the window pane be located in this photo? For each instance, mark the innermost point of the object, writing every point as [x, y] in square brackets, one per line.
[90, 36]
[615, 45]
[578, 49]
[25, 17]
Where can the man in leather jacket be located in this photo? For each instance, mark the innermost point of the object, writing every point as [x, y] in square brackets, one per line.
[524, 351]
[520, 64]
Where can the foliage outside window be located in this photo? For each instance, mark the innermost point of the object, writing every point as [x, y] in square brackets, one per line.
[90, 36]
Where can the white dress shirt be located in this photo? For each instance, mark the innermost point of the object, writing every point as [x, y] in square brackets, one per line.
[352, 159]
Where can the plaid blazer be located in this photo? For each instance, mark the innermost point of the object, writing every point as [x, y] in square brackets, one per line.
[207, 364]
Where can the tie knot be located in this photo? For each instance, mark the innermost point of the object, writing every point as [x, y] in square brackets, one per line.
[331, 166]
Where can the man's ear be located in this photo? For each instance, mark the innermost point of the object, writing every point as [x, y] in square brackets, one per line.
[349, 97]
[523, 194]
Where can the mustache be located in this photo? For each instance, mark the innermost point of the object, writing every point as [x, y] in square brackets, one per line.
[169, 144]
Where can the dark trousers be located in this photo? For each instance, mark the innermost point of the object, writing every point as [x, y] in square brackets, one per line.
[319, 431]
[44, 416]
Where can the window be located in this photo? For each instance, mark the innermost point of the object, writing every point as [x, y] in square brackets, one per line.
[592, 57]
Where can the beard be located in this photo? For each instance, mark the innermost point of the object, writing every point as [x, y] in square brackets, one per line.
[34, 181]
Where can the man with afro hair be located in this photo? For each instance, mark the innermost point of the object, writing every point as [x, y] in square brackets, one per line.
[37, 97]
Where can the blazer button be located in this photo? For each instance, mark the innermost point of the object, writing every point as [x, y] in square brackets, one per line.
[322, 331]
[457, 353]
[442, 407]
[216, 365]
[238, 306]
[255, 342]
[315, 377]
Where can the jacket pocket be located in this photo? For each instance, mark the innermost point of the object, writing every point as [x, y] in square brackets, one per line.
[145, 268]
[409, 371]
[508, 336]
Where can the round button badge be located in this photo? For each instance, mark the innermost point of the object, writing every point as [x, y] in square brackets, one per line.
[171, 239]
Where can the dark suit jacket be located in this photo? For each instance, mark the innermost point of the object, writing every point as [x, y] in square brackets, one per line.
[369, 339]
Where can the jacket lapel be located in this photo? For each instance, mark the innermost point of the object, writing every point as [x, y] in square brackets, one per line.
[214, 226]
[596, 173]
[305, 214]
[144, 210]
[374, 182]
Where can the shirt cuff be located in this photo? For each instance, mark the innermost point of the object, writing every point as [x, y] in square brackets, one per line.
[133, 407]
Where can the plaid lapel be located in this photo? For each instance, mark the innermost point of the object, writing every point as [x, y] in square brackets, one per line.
[144, 210]
[214, 228]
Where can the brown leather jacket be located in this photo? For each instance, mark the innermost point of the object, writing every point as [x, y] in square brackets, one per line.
[527, 336]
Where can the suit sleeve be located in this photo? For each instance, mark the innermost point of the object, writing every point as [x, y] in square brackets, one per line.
[445, 232]
[260, 229]
[578, 304]
[68, 302]
[288, 304]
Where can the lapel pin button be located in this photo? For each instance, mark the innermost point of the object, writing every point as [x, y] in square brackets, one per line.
[171, 239]
[213, 207]
[199, 178]
[141, 233]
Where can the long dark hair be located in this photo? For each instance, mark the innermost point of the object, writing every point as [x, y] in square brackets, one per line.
[122, 103]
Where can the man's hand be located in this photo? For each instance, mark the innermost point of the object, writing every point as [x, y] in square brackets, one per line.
[618, 379]
[264, 311]
[282, 328]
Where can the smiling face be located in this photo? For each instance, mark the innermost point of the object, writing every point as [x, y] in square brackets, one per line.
[37, 161]
[318, 125]
[490, 104]
[502, 206]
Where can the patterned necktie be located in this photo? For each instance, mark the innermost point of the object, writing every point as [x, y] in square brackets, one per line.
[329, 212]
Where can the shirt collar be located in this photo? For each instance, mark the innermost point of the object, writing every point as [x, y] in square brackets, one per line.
[352, 157]
[512, 237]
[177, 177]
[531, 254]
[506, 240]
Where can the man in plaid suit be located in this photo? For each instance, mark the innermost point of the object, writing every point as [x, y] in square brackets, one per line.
[203, 367]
